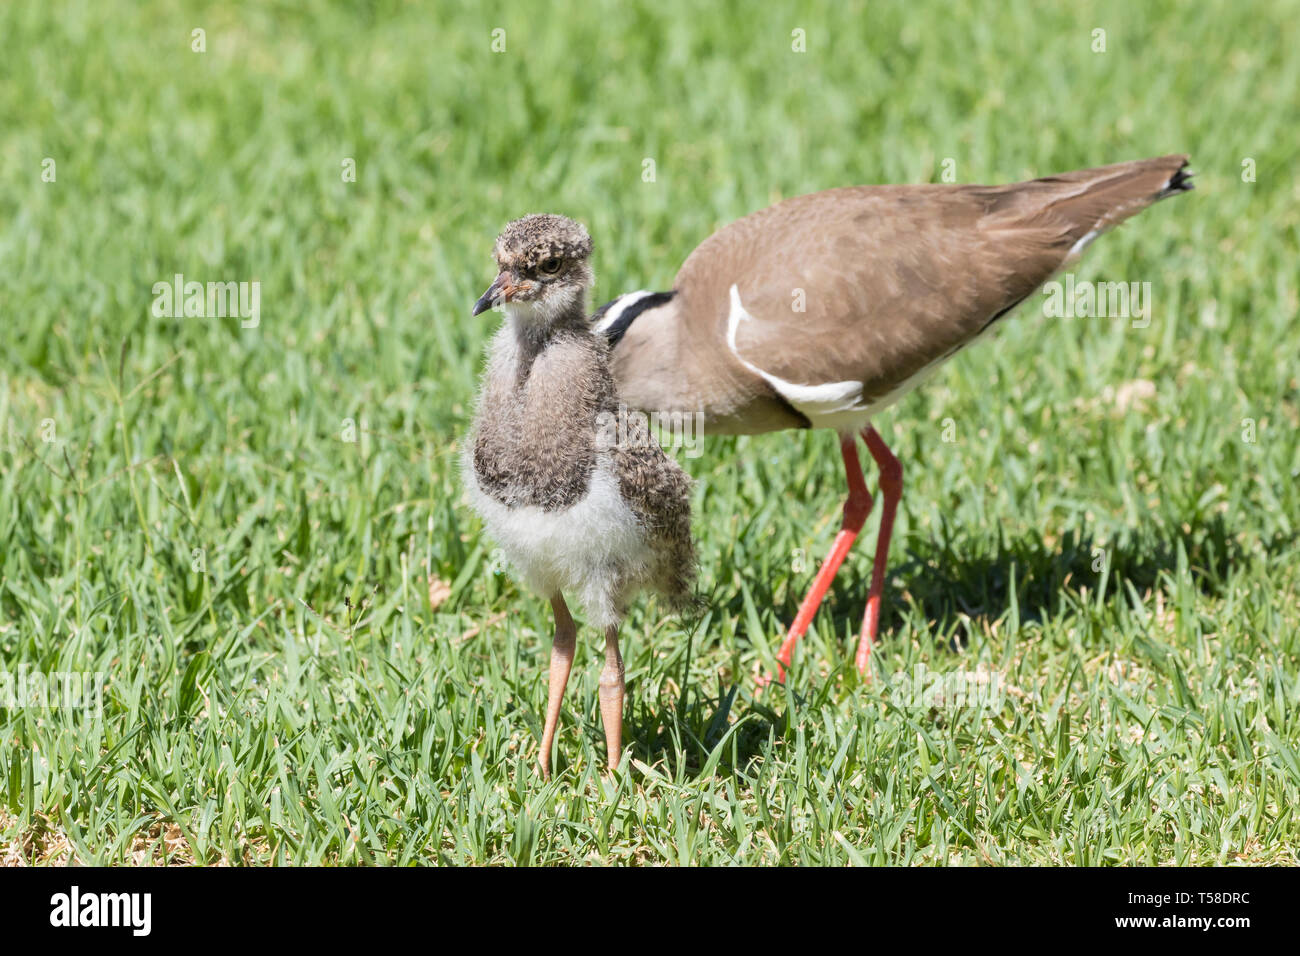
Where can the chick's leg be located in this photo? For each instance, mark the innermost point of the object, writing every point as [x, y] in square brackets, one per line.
[611, 697]
[562, 646]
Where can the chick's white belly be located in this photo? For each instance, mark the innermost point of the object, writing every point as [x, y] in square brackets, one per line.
[593, 551]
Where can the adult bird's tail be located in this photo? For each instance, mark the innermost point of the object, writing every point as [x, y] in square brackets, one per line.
[1081, 205]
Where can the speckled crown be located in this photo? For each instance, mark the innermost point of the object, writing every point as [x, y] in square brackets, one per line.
[542, 236]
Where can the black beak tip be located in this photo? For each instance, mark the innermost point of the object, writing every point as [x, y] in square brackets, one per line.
[488, 298]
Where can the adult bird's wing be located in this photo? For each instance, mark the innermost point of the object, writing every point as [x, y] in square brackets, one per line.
[872, 284]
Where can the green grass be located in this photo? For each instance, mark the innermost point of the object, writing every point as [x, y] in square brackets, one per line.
[197, 527]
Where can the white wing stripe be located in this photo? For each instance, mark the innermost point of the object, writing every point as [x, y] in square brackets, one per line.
[822, 404]
[621, 305]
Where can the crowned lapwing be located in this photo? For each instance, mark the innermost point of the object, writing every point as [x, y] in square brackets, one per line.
[822, 310]
[580, 499]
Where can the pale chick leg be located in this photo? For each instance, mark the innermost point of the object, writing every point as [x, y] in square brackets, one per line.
[562, 646]
[611, 697]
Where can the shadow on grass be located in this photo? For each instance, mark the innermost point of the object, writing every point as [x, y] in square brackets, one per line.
[959, 589]
[681, 735]
[956, 591]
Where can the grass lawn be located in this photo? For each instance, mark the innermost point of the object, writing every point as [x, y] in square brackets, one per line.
[309, 654]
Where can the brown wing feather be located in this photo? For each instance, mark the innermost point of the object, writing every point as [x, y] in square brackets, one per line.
[895, 278]
[659, 494]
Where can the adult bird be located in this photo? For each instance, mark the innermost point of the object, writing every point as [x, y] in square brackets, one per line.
[822, 310]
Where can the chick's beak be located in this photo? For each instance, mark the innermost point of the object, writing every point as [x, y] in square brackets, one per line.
[499, 290]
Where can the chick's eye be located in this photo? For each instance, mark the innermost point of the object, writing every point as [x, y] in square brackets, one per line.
[549, 266]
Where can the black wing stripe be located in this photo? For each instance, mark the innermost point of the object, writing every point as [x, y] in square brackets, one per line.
[615, 332]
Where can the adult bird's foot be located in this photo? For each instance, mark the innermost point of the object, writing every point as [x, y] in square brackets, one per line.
[868, 639]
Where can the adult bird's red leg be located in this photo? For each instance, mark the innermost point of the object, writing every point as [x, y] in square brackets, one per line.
[856, 509]
[891, 489]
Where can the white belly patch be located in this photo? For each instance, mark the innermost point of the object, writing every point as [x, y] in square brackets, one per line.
[592, 551]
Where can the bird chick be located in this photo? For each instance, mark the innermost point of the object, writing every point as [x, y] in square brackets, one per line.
[576, 505]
